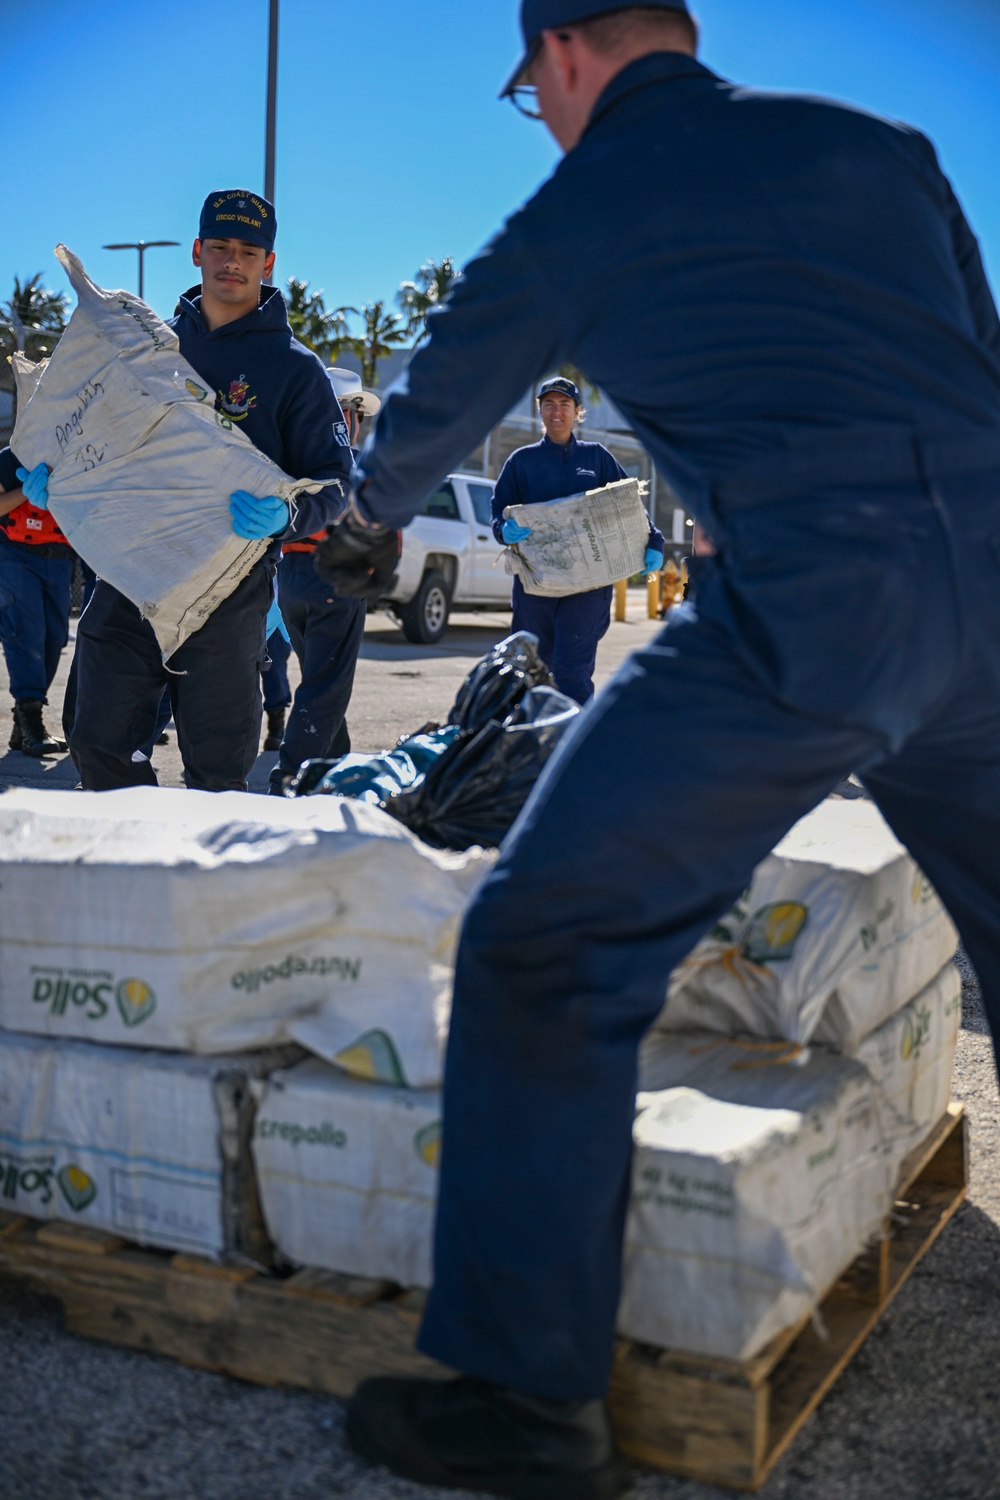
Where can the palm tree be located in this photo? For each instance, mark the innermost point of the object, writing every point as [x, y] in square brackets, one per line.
[384, 332]
[429, 287]
[326, 333]
[33, 319]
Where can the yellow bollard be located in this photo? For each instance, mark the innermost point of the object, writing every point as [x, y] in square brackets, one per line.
[653, 596]
[621, 593]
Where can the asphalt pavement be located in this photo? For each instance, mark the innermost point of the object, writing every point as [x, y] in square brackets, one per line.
[913, 1418]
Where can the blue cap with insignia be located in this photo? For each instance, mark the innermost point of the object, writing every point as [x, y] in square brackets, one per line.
[560, 383]
[236, 214]
[544, 15]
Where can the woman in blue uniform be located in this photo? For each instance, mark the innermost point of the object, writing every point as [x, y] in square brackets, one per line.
[568, 628]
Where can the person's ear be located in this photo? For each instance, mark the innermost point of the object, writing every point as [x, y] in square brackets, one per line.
[268, 265]
[561, 48]
[196, 253]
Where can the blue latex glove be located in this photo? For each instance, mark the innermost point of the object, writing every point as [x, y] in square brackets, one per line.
[254, 519]
[653, 561]
[275, 622]
[512, 532]
[35, 485]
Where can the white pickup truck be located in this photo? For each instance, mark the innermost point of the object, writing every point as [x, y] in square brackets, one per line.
[449, 558]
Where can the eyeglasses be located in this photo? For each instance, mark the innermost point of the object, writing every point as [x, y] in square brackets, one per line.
[525, 99]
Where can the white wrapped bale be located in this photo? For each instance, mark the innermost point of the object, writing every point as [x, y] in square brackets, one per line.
[836, 932]
[224, 922]
[152, 1146]
[348, 1172]
[142, 464]
[759, 1175]
[583, 542]
[911, 1057]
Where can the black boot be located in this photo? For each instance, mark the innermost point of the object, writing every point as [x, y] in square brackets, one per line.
[15, 733]
[471, 1434]
[275, 728]
[35, 738]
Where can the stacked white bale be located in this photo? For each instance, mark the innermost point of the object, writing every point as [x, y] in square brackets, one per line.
[910, 1058]
[348, 1172]
[150, 1145]
[224, 922]
[837, 931]
[759, 1174]
[761, 1170]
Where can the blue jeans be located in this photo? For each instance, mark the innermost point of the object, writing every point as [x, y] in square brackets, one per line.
[568, 631]
[840, 629]
[34, 616]
[326, 633]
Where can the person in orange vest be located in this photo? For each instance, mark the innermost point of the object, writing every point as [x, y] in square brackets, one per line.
[36, 575]
[325, 629]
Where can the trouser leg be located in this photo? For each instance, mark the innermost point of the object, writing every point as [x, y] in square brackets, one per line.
[534, 613]
[646, 827]
[274, 679]
[214, 682]
[22, 622]
[119, 682]
[581, 621]
[326, 632]
[943, 802]
[57, 587]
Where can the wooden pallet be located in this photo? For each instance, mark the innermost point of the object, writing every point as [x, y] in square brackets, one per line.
[708, 1419]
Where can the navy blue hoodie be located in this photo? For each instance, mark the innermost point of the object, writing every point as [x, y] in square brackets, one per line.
[276, 390]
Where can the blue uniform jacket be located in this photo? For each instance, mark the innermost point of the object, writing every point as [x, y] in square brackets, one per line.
[276, 390]
[740, 271]
[551, 471]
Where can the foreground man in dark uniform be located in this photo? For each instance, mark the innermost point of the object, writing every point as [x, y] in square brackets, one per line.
[794, 318]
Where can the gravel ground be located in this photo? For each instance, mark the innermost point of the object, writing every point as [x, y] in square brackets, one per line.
[913, 1418]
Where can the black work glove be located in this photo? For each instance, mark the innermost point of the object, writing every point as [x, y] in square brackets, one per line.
[359, 561]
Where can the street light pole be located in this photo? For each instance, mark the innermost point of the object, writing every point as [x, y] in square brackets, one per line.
[142, 246]
[272, 99]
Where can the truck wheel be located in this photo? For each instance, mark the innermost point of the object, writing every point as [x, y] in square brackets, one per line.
[425, 618]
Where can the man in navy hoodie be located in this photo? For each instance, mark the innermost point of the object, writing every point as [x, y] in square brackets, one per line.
[234, 331]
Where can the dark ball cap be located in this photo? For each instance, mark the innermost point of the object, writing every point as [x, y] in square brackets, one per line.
[235, 214]
[560, 383]
[544, 15]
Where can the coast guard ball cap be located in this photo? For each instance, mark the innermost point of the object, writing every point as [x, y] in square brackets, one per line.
[560, 383]
[236, 214]
[544, 15]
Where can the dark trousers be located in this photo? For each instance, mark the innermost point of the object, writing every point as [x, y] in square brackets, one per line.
[568, 631]
[34, 616]
[848, 629]
[213, 681]
[274, 681]
[326, 633]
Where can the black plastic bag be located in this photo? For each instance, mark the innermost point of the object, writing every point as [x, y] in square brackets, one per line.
[507, 719]
[475, 790]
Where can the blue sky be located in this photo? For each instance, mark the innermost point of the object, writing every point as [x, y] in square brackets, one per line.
[392, 147]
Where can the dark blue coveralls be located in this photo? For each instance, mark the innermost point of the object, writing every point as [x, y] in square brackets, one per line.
[326, 631]
[274, 680]
[798, 327]
[569, 628]
[277, 390]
